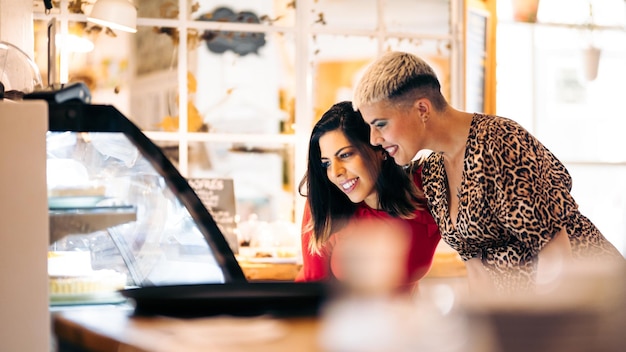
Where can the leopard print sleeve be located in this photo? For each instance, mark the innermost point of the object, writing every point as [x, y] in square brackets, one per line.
[532, 186]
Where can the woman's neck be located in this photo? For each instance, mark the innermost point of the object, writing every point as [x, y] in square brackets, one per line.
[372, 201]
[451, 132]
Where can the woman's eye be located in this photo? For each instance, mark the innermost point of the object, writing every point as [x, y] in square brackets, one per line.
[380, 124]
[325, 164]
[345, 155]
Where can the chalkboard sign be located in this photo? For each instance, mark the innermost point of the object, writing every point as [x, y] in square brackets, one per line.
[218, 196]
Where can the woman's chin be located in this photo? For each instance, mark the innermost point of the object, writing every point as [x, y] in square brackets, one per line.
[354, 198]
[401, 160]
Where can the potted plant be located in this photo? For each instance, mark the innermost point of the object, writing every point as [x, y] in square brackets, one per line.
[525, 10]
[591, 53]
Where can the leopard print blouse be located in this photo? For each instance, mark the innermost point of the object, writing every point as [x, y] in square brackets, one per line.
[514, 197]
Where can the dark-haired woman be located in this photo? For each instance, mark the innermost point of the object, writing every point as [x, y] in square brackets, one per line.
[348, 180]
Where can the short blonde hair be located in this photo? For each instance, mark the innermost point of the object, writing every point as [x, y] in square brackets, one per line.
[393, 75]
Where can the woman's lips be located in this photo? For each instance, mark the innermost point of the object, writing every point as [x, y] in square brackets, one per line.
[349, 185]
[391, 150]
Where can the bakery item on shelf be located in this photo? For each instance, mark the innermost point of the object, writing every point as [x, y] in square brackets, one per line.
[86, 190]
[70, 272]
[99, 281]
[287, 252]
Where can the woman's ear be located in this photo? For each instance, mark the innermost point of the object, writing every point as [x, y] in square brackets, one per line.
[423, 107]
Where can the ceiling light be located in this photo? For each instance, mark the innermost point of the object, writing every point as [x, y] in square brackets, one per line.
[115, 14]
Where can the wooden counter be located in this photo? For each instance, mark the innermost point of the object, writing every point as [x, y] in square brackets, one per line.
[115, 329]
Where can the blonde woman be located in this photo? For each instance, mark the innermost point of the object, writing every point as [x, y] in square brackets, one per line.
[499, 196]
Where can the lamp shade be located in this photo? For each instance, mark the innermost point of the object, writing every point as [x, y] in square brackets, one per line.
[115, 14]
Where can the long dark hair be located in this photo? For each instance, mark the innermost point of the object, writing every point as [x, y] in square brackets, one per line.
[331, 209]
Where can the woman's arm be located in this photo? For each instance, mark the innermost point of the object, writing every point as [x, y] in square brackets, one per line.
[533, 187]
[478, 280]
[553, 257]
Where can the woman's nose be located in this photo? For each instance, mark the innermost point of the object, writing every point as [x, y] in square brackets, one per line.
[375, 137]
[336, 169]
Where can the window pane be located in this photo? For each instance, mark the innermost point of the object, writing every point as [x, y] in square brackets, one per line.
[268, 12]
[345, 14]
[599, 191]
[262, 175]
[155, 49]
[229, 92]
[157, 8]
[514, 90]
[605, 12]
[41, 49]
[87, 57]
[423, 17]
[153, 105]
[245, 93]
[576, 117]
[338, 61]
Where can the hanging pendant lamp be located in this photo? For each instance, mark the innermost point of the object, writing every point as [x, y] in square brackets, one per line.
[115, 14]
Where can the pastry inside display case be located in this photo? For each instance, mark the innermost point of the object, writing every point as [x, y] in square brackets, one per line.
[120, 214]
[72, 279]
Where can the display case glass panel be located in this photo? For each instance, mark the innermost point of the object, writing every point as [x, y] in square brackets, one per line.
[115, 195]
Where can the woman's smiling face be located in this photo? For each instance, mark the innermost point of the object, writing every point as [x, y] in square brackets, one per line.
[394, 129]
[347, 168]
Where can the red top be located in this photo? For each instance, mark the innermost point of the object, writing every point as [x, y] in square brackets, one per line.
[423, 242]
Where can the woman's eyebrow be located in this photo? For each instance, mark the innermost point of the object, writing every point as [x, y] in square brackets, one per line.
[340, 150]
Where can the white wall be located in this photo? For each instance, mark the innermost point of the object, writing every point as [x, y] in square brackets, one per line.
[16, 18]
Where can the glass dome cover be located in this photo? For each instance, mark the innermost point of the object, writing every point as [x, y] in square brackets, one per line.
[17, 71]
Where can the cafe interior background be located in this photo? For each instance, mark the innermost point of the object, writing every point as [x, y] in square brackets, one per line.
[232, 89]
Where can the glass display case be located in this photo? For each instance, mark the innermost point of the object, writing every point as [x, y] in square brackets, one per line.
[113, 194]
[125, 224]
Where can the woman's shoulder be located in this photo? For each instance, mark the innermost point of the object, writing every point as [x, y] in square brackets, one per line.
[496, 133]
[496, 124]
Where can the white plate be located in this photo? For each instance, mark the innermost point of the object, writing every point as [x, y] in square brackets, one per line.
[86, 298]
[74, 202]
